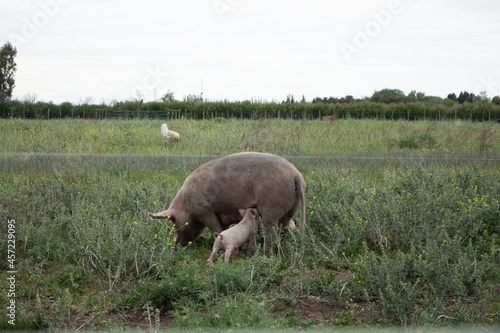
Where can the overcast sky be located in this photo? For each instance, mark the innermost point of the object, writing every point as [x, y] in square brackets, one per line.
[70, 50]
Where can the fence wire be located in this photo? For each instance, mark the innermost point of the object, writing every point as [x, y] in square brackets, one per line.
[143, 162]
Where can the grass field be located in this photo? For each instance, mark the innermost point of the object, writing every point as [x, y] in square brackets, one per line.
[281, 137]
[403, 230]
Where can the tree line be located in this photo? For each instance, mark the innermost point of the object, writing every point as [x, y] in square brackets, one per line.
[388, 96]
[384, 104]
[477, 111]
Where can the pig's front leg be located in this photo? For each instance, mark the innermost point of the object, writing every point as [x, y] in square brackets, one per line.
[250, 242]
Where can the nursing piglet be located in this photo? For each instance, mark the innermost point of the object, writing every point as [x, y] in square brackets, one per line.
[236, 236]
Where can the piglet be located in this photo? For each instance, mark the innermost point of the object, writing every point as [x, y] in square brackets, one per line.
[236, 236]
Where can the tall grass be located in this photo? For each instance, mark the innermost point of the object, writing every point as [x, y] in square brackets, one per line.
[419, 243]
[282, 137]
[404, 242]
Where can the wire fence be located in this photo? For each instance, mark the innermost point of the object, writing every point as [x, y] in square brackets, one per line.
[312, 112]
[64, 162]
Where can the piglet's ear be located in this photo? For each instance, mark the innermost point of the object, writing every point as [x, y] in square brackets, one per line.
[253, 212]
[243, 212]
[216, 234]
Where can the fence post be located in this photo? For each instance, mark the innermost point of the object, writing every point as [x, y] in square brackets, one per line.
[48, 113]
[470, 114]
[60, 113]
[12, 112]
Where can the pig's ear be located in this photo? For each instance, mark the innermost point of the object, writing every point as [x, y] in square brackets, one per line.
[243, 212]
[216, 234]
[163, 215]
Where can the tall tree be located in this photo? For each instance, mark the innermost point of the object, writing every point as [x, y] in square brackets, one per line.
[388, 96]
[452, 97]
[466, 97]
[7, 71]
[411, 97]
[168, 96]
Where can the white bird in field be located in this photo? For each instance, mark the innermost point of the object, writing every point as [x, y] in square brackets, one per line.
[168, 134]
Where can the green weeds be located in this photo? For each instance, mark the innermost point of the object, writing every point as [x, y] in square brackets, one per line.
[277, 136]
[402, 243]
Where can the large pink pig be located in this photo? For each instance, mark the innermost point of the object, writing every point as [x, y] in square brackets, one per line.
[213, 193]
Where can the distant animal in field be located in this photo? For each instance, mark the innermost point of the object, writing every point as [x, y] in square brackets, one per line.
[329, 118]
[213, 194]
[168, 134]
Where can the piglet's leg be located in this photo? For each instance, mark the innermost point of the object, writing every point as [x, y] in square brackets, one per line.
[212, 256]
[227, 255]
